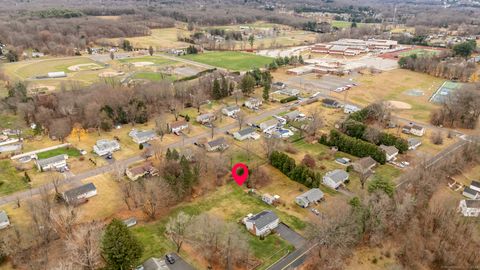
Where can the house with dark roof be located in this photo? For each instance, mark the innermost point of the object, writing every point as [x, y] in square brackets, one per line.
[52, 163]
[471, 193]
[335, 178]
[142, 136]
[4, 221]
[262, 223]
[330, 103]
[413, 143]
[475, 185]
[391, 152]
[469, 208]
[314, 195]
[246, 133]
[364, 164]
[79, 194]
[219, 144]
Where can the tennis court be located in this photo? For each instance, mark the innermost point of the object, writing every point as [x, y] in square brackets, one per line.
[444, 91]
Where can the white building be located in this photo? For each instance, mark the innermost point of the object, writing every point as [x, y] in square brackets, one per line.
[142, 136]
[269, 124]
[391, 152]
[205, 118]
[414, 130]
[52, 163]
[335, 178]
[246, 133]
[59, 74]
[80, 193]
[269, 199]
[314, 195]
[178, 126]
[4, 221]
[231, 111]
[253, 103]
[262, 223]
[470, 208]
[348, 109]
[104, 147]
[413, 143]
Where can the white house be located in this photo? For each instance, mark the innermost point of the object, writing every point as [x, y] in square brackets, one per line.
[142, 136]
[475, 185]
[80, 193]
[231, 111]
[205, 118]
[294, 116]
[290, 92]
[4, 221]
[52, 163]
[253, 103]
[391, 152]
[348, 109]
[262, 223]
[246, 133]
[335, 178]
[178, 126]
[470, 208]
[414, 130]
[470, 193]
[269, 199]
[314, 195]
[413, 143]
[105, 147]
[269, 124]
[219, 144]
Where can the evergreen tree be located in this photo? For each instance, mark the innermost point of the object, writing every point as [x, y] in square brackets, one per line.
[266, 91]
[216, 91]
[224, 89]
[231, 88]
[381, 184]
[121, 250]
[247, 84]
[300, 60]
[150, 50]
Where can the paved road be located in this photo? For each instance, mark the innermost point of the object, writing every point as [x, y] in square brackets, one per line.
[180, 264]
[124, 163]
[293, 260]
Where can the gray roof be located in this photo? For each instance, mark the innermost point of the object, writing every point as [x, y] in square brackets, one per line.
[269, 123]
[155, 264]
[263, 219]
[413, 141]
[73, 193]
[312, 195]
[3, 217]
[232, 108]
[143, 134]
[472, 203]
[475, 184]
[389, 150]
[50, 160]
[293, 115]
[217, 142]
[470, 191]
[246, 131]
[205, 116]
[337, 176]
[106, 144]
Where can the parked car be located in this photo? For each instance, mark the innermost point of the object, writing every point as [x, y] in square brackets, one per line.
[170, 259]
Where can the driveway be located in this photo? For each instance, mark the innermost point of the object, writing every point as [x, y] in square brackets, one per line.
[179, 264]
[290, 235]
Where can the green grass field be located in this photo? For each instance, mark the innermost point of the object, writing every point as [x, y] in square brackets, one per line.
[230, 203]
[419, 52]
[231, 60]
[71, 152]
[345, 24]
[10, 179]
[153, 76]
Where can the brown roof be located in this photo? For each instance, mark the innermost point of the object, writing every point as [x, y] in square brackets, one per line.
[141, 169]
[178, 124]
[365, 162]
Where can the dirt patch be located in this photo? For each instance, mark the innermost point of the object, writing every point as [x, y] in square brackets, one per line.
[142, 64]
[110, 74]
[35, 88]
[398, 105]
[80, 67]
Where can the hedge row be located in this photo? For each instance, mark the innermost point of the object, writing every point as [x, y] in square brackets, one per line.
[299, 173]
[288, 99]
[353, 146]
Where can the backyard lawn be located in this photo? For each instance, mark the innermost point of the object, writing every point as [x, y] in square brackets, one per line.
[70, 151]
[231, 60]
[10, 179]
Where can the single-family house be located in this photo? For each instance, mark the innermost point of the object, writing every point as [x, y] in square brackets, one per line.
[219, 144]
[470, 208]
[177, 126]
[364, 164]
[205, 118]
[391, 152]
[11, 132]
[155, 264]
[4, 221]
[278, 85]
[330, 103]
[294, 116]
[140, 171]
[246, 133]
[231, 111]
[262, 223]
[414, 130]
[414, 143]
[290, 92]
[52, 163]
[314, 195]
[348, 109]
[130, 222]
[269, 199]
[80, 193]
[269, 124]
[142, 136]
[335, 178]
[253, 103]
[475, 185]
[471, 193]
[105, 147]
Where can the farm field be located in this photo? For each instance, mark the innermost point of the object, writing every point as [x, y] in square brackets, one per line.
[159, 39]
[401, 85]
[236, 61]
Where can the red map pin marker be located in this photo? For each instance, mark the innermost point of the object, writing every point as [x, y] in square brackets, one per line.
[240, 179]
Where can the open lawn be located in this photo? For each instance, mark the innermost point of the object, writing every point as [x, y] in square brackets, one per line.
[70, 151]
[395, 85]
[231, 60]
[419, 52]
[153, 76]
[10, 179]
[157, 60]
[159, 39]
[230, 203]
[344, 24]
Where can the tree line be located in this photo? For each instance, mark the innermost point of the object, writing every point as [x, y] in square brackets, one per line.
[298, 173]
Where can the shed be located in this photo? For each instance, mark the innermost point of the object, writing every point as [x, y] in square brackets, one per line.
[314, 195]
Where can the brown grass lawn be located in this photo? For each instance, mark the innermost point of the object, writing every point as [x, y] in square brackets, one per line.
[373, 258]
[391, 85]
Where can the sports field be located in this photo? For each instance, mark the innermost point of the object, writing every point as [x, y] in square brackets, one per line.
[231, 60]
[156, 60]
[444, 91]
[419, 52]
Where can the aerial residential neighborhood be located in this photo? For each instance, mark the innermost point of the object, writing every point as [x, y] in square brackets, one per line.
[246, 135]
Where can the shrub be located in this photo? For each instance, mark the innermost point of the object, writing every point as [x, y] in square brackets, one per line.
[308, 161]
[437, 138]
[288, 99]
